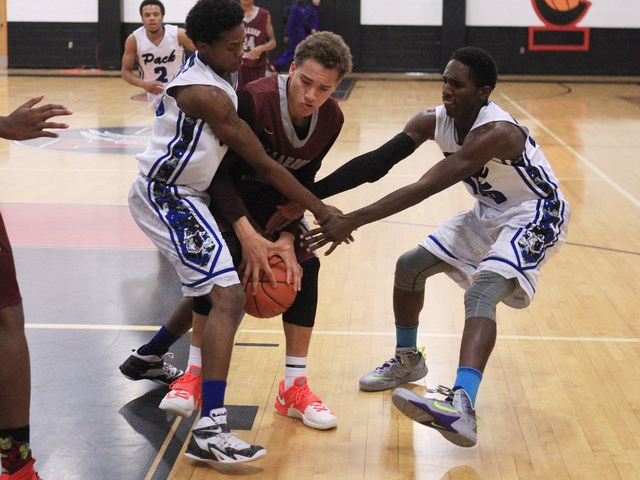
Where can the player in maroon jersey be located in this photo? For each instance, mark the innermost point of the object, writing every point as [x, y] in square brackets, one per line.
[26, 122]
[258, 41]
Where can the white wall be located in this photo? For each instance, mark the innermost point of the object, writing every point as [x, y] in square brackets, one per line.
[401, 12]
[87, 10]
[520, 13]
[52, 11]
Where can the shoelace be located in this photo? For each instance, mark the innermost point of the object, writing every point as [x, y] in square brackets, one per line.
[386, 364]
[186, 382]
[304, 391]
[449, 393]
[230, 439]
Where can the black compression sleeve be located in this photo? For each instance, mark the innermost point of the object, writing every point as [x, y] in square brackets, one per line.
[369, 167]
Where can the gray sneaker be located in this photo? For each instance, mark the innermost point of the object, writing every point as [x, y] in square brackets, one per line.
[454, 417]
[407, 366]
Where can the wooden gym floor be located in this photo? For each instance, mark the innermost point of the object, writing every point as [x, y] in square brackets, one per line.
[561, 395]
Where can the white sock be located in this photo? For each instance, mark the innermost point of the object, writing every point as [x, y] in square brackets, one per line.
[195, 356]
[294, 367]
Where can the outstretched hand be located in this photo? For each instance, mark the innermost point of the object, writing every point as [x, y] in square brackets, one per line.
[26, 122]
[283, 216]
[334, 229]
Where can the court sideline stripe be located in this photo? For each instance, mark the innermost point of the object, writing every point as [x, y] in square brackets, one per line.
[163, 449]
[81, 326]
[579, 156]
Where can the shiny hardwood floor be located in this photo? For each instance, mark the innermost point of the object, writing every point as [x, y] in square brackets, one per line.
[561, 394]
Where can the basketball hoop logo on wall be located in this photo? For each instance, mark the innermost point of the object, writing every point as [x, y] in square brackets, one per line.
[560, 32]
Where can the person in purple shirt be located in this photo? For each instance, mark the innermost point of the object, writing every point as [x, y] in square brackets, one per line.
[294, 34]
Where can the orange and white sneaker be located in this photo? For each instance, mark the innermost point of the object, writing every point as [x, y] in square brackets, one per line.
[25, 473]
[299, 402]
[185, 393]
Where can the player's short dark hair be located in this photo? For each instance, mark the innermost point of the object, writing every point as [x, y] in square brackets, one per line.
[328, 49]
[152, 2]
[210, 18]
[484, 70]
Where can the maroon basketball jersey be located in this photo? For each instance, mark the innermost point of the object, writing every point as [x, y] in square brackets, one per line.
[273, 126]
[256, 34]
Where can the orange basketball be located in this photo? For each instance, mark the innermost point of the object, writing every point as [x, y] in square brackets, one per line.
[562, 5]
[269, 301]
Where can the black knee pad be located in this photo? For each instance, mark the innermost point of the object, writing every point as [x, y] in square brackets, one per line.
[481, 298]
[303, 310]
[202, 305]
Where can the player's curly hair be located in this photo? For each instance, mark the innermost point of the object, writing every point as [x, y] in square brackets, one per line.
[208, 19]
[152, 2]
[484, 70]
[328, 49]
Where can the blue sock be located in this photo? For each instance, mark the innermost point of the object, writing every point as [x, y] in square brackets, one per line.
[469, 379]
[159, 344]
[212, 395]
[407, 336]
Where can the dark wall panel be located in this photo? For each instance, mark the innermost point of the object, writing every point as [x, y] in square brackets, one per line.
[46, 45]
[612, 51]
[400, 49]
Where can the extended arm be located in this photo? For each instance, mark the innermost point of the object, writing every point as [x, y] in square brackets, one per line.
[216, 108]
[26, 122]
[185, 41]
[494, 140]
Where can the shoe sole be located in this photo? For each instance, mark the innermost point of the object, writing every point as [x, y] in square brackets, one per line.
[213, 463]
[392, 384]
[293, 413]
[175, 411]
[154, 380]
[402, 399]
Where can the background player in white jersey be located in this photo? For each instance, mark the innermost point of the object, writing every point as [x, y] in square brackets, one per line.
[494, 250]
[159, 50]
[195, 124]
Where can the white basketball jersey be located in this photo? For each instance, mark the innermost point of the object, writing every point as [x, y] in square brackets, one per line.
[501, 183]
[183, 151]
[159, 62]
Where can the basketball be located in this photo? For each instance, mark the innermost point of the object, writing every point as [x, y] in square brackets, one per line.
[562, 5]
[269, 301]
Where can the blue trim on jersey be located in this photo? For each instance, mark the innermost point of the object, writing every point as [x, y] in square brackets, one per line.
[451, 255]
[193, 239]
[156, 165]
[515, 267]
[209, 277]
[194, 143]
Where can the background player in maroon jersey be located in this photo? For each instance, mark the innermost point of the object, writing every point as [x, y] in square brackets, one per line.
[25, 123]
[258, 41]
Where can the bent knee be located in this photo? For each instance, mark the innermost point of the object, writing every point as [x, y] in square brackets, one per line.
[414, 267]
[481, 298]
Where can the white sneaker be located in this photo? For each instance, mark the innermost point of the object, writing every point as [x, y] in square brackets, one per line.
[212, 442]
[300, 402]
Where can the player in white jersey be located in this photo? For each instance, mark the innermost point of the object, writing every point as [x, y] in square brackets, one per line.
[494, 250]
[196, 122]
[159, 50]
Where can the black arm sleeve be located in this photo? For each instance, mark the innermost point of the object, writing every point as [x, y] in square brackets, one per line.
[369, 167]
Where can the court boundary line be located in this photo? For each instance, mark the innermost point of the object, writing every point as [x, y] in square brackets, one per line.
[81, 326]
[578, 155]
